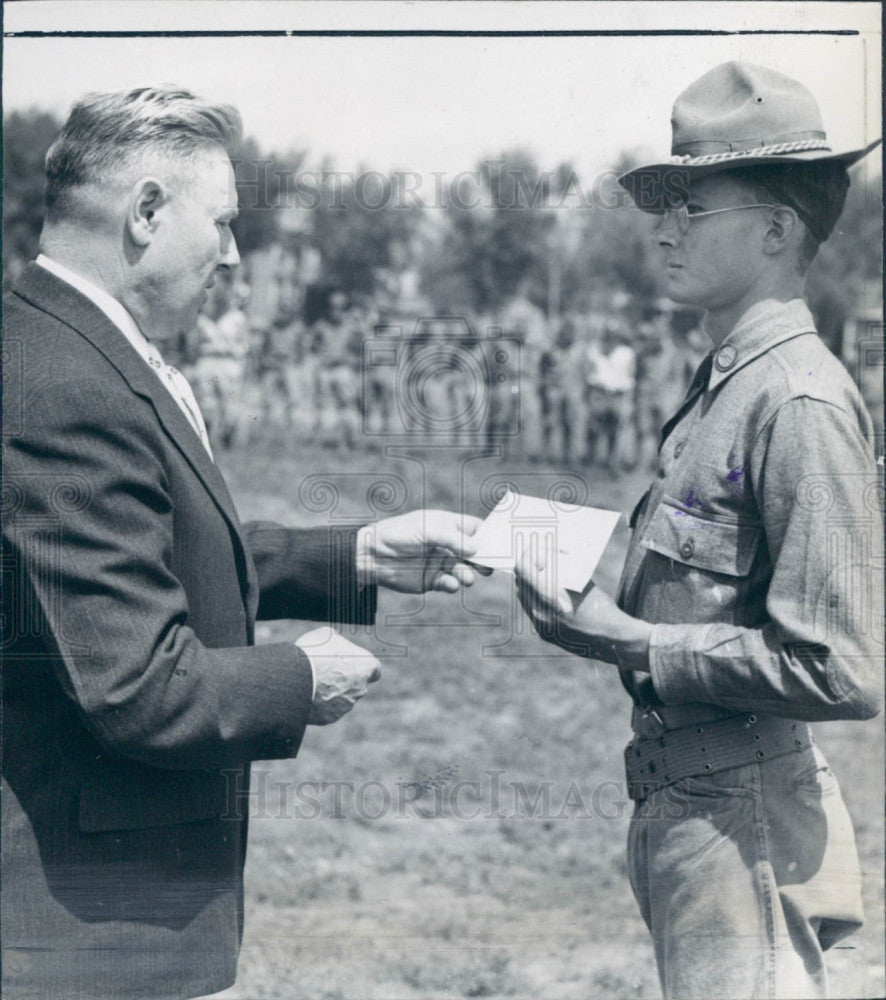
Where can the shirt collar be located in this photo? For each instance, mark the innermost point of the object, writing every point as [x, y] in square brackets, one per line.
[762, 327]
[113, 309]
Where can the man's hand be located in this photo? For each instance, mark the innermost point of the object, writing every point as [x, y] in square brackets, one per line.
[590, 625]
[342, 673]
[420, 551]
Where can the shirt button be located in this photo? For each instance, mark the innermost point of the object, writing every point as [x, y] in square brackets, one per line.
[678, 449]
[687, 548]
[725, 358]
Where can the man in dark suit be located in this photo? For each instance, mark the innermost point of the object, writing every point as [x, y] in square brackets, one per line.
[134, 696]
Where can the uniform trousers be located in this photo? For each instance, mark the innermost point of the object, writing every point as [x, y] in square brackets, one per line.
[745, 877]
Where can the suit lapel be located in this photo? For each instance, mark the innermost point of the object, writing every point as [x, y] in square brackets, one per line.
[52, 295]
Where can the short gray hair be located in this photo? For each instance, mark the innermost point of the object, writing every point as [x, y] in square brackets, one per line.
[103, 129]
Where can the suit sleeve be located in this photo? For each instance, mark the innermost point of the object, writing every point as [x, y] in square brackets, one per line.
[89, 528]
[309, 573]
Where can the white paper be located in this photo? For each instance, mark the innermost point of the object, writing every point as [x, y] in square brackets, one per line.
[571, 536]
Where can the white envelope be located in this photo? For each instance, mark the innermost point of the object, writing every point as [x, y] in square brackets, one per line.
[568, 539]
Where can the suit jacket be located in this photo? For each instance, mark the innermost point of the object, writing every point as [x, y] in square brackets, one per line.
[133, 694]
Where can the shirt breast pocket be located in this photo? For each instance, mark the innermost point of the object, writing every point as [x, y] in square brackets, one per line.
[706, 573]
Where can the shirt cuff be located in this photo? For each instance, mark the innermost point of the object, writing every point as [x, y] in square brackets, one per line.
[673, 665]
[362, 560]
[313, 672]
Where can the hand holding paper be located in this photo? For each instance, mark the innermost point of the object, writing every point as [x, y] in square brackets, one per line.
[574, 535]
[553, 550]
[419, 551]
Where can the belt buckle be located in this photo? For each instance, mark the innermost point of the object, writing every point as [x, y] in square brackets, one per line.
[653, 724]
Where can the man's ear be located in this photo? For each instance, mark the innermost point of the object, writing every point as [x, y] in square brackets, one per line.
[146, 198]
[783, 230]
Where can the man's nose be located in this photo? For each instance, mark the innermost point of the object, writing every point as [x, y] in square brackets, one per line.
[230, 257]
[667, 232]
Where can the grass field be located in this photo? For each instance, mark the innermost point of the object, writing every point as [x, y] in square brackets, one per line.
[469, 840]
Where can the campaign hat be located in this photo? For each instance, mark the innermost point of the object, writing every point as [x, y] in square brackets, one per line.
[736, 115]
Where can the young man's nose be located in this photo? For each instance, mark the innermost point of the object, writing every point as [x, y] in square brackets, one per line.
[667, 232]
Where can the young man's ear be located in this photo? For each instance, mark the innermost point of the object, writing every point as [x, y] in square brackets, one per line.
[783, 230]
[146, 197]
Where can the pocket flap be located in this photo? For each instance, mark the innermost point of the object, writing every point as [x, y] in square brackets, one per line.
[120, 802]
[726, 547]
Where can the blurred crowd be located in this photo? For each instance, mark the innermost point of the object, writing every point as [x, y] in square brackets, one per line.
[591, 389]
[289, 350]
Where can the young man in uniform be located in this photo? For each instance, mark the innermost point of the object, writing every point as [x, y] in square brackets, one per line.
[750, 601]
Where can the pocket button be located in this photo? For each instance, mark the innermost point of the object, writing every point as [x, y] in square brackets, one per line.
[687, 548]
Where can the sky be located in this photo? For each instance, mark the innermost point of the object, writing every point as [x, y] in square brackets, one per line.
[440, 104]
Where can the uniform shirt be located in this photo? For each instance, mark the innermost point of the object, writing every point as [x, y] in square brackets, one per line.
[757, 551]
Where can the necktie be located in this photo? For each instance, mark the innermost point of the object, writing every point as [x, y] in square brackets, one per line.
[698, 385]
[181, 391]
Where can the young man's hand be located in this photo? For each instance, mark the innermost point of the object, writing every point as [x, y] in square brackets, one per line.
[590, 624]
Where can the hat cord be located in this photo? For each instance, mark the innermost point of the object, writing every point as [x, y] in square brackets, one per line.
[775, 150]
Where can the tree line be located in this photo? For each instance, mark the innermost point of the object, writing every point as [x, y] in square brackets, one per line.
[508, 227]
